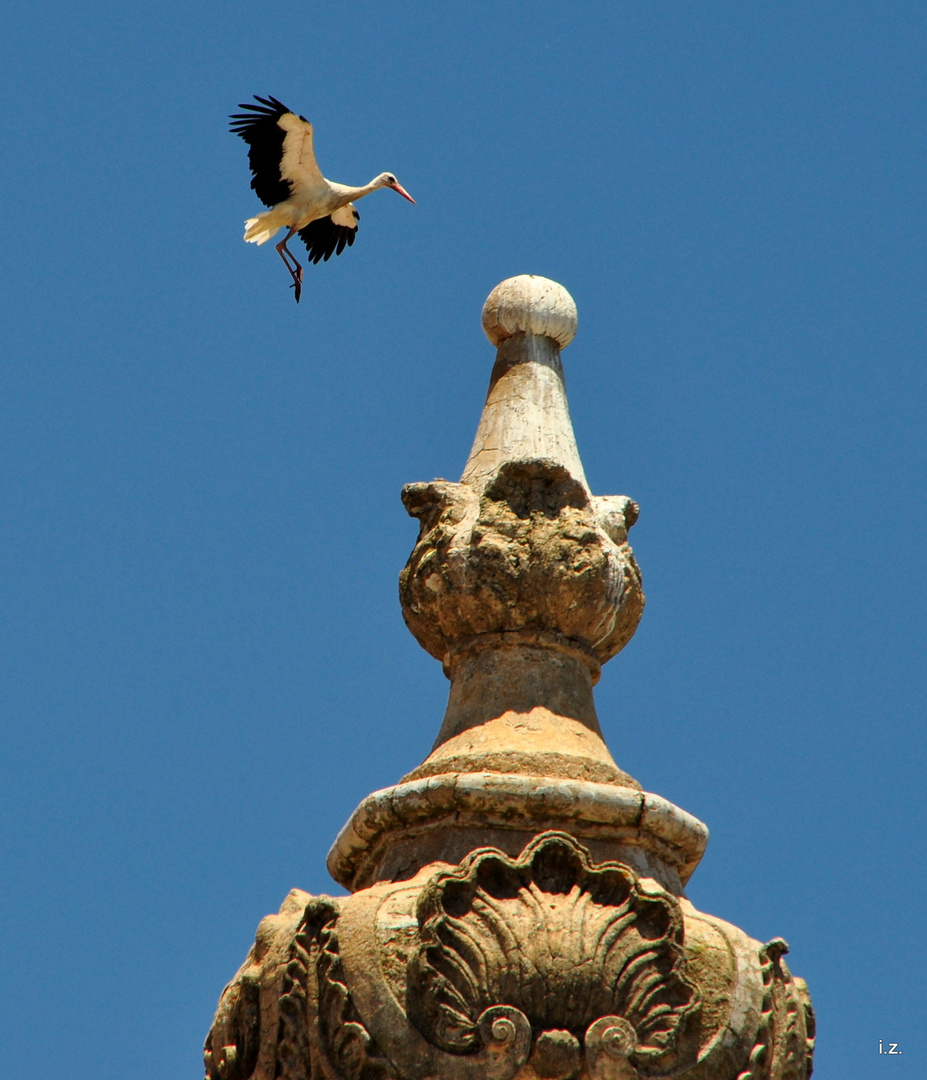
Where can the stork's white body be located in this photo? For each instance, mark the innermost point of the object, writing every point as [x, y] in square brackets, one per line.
[311, 201]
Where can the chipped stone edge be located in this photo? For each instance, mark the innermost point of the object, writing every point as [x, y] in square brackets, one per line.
[502, 798]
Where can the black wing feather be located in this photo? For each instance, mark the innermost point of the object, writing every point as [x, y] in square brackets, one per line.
[323, 238]
[259, 128]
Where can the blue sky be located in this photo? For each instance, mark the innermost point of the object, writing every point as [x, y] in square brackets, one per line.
[204, 667]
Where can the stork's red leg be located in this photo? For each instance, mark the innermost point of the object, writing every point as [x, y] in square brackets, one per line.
[296, 271]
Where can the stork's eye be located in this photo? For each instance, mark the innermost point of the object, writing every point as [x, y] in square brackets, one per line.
[391, 179]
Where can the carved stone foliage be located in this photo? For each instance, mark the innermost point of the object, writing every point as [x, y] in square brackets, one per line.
[532, 551]
[318, 1021]
[784, 1048]
[581, 950]
[241, 1043]
[288, 1014]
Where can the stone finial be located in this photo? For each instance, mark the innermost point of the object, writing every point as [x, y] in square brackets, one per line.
[530, 304]
[522, 582]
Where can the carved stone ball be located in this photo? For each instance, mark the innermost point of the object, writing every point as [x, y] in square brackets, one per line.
[530, 304]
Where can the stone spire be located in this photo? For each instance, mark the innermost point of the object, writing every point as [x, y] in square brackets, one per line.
[522, 583]
[518, 909]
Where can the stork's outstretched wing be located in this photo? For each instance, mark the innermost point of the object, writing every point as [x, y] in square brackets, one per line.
[330, 235]
[281, 155]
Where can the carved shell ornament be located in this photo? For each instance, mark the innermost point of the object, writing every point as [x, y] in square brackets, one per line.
[584, 953]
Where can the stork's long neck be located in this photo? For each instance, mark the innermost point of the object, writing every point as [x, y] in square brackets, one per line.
[348, 194]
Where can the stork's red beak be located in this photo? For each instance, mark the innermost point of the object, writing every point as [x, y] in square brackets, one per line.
[402, 191]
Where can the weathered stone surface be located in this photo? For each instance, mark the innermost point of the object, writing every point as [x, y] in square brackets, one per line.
[532, 552]
[394, 832]
[526, 416]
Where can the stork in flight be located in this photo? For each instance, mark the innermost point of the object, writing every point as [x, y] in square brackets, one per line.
[288, 180]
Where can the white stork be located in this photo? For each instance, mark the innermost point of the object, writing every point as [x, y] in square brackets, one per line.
[288, 180]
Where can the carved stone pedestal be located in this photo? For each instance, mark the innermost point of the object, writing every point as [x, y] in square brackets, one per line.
[517, 906]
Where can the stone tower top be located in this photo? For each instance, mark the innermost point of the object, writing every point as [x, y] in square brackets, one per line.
[517, 907]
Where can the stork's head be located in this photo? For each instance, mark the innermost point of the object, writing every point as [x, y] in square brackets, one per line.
[388, 180]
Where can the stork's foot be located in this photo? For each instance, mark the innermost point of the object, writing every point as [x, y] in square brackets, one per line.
[296, 273]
